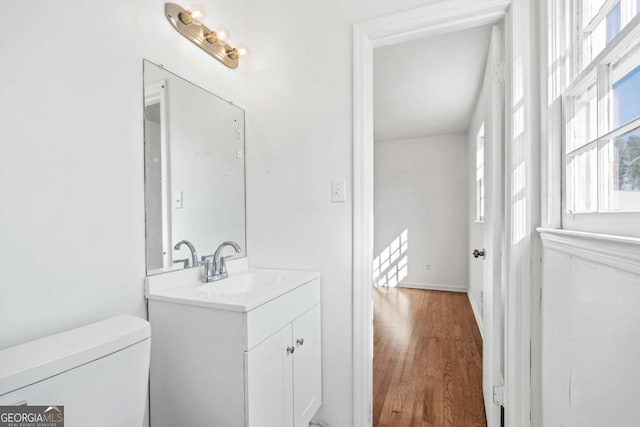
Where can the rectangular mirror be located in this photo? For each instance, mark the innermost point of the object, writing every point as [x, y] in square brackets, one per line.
[194, 171]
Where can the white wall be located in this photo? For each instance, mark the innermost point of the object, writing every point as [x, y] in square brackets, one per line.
[299, 138]
[590, 345]
[421, 187]
[72, 211]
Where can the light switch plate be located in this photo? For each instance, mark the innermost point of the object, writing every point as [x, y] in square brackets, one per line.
[338, 191]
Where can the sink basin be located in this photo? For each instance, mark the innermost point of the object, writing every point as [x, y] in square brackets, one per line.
[246, 282]
[242, 291]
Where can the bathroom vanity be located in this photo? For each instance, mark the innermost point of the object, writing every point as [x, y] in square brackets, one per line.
[244, 351]
[244, 347]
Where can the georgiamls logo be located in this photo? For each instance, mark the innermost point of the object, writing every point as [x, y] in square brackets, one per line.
[32, 416]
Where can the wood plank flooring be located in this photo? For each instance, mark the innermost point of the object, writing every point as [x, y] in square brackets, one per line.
[427, 360]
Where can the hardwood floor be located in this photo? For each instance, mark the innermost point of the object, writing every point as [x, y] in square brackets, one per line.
[427, 363]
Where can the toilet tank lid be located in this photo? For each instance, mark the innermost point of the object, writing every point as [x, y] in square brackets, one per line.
[34, 361]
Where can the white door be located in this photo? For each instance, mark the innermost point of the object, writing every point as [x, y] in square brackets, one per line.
[269, 390]
[493, 339]
[307, 374]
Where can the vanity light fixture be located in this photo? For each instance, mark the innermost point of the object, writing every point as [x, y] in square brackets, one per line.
[196, 11]
[214, 42]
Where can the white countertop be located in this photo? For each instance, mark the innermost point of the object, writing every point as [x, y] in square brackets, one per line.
[242, 291]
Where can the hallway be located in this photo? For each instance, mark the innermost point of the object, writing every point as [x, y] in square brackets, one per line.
[427, 360]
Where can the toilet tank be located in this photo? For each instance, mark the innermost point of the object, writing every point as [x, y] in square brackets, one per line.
[98, 372]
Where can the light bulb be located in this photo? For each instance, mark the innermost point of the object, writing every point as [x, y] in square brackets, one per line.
[243, 51]
[222, 33]
[198, 11]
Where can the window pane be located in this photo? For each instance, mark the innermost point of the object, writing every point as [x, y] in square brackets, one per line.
[594, 42]
[583, 126]
[599, 37]
[626, 98]
[590, 10]
[613, 22]
[582, 174]
[621, 173]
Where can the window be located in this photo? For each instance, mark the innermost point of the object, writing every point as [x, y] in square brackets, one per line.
[480, 174]
[600, 21]
[602, 110]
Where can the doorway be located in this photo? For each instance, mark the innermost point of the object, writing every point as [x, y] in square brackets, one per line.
[430, 110]
[425, 22]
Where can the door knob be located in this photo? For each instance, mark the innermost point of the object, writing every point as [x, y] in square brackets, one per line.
[290, 350]
[300, 341]
[477, 253]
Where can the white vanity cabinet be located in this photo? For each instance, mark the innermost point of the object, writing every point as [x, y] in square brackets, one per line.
[255, 368]
[307, 369]
[283, 375]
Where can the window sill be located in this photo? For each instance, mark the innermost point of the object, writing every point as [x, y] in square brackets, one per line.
[607, 223]
[619, 252]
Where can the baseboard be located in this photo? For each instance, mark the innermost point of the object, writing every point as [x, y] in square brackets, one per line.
[476, 313]
[433, 287]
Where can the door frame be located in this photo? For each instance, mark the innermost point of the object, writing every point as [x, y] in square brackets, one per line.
[156, 93]
[431, 20]
[493, 281]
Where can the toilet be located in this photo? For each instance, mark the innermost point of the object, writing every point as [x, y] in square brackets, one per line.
[98, 372]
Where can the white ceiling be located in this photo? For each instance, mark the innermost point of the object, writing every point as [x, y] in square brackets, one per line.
[429, 86]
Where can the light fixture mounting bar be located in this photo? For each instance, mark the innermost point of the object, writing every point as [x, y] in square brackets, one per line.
[197, 33]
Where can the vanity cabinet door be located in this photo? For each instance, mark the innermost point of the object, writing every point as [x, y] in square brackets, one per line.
[307, 370]
[268, 376]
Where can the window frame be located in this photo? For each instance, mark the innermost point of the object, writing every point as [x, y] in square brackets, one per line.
[578, 78]
[480, 190]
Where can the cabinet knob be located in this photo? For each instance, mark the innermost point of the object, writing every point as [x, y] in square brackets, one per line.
[290, 350]
[300, 341]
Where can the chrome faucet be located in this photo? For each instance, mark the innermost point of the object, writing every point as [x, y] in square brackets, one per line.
[194, 255]
[215, 267]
